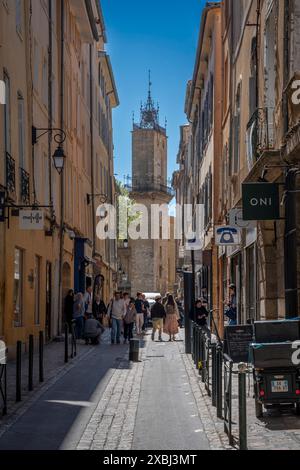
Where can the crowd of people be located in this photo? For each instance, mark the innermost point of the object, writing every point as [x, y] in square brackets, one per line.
[124, 315]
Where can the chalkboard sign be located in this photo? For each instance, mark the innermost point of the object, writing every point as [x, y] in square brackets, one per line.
[238, 340]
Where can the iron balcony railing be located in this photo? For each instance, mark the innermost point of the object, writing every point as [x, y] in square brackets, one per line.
[148, 187]
[260, 133]
[24, 186]
[10, 174]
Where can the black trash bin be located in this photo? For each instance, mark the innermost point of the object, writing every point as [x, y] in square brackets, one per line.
[134, 348]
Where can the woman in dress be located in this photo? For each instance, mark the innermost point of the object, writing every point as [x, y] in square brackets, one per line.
[172, 317]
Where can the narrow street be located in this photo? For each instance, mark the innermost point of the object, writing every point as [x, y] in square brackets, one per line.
[103, 402]
[167, 416]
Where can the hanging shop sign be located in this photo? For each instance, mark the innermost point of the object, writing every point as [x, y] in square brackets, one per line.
[31, 220]
[227, 236]
[261, 201]
[194, 244]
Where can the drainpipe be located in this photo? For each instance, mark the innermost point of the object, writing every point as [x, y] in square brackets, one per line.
[286, 72]
[256, 53]
[290, 245]
[50, 103]
[62, 185]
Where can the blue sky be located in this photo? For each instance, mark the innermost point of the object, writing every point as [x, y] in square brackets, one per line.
[160, 35]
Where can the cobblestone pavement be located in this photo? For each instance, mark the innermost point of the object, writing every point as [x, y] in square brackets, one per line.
[122, 419]
[112, 423]
[277, 430]
[102, 401]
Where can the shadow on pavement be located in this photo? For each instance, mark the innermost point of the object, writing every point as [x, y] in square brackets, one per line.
[58, 416]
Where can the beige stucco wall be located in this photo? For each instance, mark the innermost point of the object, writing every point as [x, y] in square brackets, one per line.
[22, 66]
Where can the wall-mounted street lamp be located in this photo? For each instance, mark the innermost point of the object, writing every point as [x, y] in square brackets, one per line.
[102, 198]
[125, 243]
[59, 137]
[59, 159]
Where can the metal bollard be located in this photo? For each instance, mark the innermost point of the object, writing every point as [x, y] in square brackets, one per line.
[41, 356]
[30, 363]
[196, 344]
[219, 387]
[203, 357]
[134, 347]
[214, 375]
[242, 411]
[201, 348]
[4, 409]
[66, 342]
[193, 340]
[198, 352]
[196, 357]
[19, 372]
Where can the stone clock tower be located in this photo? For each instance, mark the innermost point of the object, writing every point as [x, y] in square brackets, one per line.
[149, 258]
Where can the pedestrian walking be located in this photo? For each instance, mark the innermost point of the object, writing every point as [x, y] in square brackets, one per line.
[126, 298]
[78, 314]
[158, 315]
[201, 316]
[99, 309]
[92, 330]
[181, 312]
[68, 308]
[129, 320]
[139, 306]
[231, 310]
[172, 317]
[146, 312]
[117, 312]
[88, 300]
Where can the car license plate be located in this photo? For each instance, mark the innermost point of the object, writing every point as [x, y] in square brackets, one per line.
[280, 386]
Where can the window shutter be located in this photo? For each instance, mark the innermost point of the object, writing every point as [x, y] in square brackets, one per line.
[252, 96]
[236, 129]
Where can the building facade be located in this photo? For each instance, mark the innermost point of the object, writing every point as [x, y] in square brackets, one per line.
[257, 123]
[60, 92]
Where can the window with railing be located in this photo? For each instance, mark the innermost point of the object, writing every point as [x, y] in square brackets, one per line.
[205, 198]
[206, 117]
[24, 186]
[10, 174]
[259, 134]
[149, 185]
